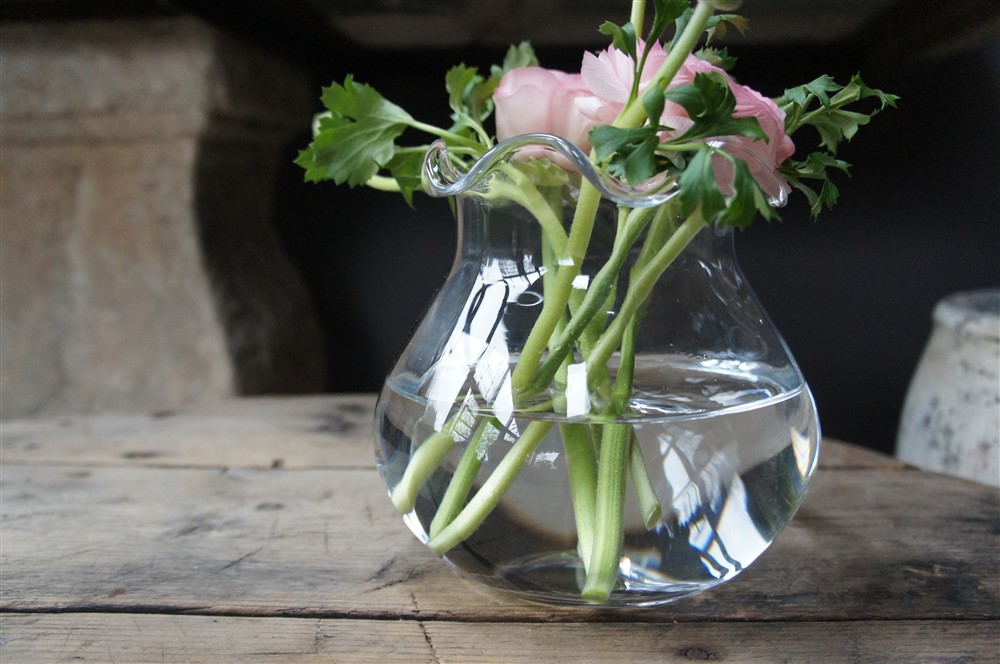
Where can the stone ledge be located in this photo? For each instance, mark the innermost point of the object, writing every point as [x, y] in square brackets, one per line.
[123, 80]
[139, 266]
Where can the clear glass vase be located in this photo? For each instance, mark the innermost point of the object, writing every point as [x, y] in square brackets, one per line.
[596, 409]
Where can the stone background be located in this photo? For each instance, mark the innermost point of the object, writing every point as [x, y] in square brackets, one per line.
[139, 263]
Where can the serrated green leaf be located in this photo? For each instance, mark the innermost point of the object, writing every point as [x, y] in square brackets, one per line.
[622, 37]
[517, 56]
[716, 26]
[653, 102]
[815, 167]
[360, 100]
[405, 168]
[698, 188]
[707, 97]
[640, 165]
[458, 81]
[666, 12]
[815, 205]
[748, 200]
[710, 104]
[608, 140]
[856, 90]
[836, 126]
[717, 56]
[356, 138]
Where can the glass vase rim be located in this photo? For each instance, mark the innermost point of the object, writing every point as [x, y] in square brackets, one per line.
[440, 177]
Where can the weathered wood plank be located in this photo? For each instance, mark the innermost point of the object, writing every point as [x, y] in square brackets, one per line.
[142, 639]
[42, 638]
[261, 432]
[866, 545]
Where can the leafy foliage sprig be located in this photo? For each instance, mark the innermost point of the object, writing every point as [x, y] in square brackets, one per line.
[356, 139]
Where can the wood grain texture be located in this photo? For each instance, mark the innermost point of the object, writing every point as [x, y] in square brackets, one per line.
[141, 639]
[184, 523]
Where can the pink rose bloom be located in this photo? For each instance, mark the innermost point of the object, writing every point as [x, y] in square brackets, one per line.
[536, 100]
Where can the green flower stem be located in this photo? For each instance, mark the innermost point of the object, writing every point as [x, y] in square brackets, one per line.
[595, 299]
[649, 505]
[638, 15]
[480, 506]
[581, 466]
[461, 482]
[642, 485]
[421, 466]
[640, 288]
[602, 575]
[612, 471]
[520, 190]
[383, 183]
[452, 137]
[555, 301]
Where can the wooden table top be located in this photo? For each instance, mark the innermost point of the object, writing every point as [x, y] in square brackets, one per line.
[257, 530]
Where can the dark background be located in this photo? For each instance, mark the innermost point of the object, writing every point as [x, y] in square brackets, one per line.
[852, 292]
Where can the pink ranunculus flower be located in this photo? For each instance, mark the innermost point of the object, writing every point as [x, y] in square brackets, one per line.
[762, 157]
[609, 76]
[609, 73]
[536, 100]
[533, 99]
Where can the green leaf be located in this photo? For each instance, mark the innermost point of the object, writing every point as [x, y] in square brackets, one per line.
[640, 165]
[717, 56]
[629, 152]
[356, 138]
[405, 167]
[458, 82]
[837, 125]
[815, 167]
[622, 37]
[653, 101]
[831, 119]
[747, 200]
[518, 55]
[819, 87]
[608, 140]
[707, 97]
[716, 26]
[698, 188]
[710, 104]
[856, 90]
[665, 12]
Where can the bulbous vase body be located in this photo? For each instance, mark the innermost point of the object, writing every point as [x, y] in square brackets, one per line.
[717, 432]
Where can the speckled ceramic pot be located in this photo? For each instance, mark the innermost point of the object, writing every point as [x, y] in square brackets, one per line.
[951, 418]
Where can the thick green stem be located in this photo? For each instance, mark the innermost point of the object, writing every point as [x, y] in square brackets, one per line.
[465, 474]
[638, 15]
[421, 466]
[452, 137]
[642, 485]
[609, 525]
[581, 466]
[489, 495]
[520, 190]
[611, 475]
[640, 289]
[595, 299]
[556, 299]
